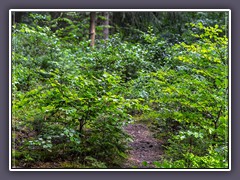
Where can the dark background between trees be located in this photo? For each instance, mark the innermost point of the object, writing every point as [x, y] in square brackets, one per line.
[79, 77]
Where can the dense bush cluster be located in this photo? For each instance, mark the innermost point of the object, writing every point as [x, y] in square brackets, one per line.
[70, 101]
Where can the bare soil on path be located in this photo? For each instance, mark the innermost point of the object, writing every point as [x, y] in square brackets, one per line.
[143, 148]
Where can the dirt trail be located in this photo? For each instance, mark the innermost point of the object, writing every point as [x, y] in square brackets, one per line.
[143, 148]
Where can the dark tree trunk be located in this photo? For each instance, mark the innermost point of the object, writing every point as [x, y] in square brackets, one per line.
[54, 15]
[106, 25]
[92, 30]
[17, 17]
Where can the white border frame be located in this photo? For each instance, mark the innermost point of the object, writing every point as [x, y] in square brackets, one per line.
[113, 10]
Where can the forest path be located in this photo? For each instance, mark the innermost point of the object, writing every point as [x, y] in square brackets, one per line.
[143, 148]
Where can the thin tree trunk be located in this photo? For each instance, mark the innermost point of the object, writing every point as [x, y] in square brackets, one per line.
[92, 30]
[106, 25]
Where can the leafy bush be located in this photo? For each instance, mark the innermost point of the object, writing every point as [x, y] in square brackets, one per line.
[65, 99]
[71, 101]
[190, 96]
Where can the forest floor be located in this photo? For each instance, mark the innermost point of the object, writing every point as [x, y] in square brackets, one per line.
[143, 148]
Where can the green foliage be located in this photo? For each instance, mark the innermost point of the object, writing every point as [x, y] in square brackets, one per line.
[62, 104]
[213, 159]
[70, 101]
[192, 100]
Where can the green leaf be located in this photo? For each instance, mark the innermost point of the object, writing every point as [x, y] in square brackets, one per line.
[144, 163]
[157, 164]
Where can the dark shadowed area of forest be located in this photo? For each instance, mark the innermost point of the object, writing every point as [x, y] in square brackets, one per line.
[120, 90]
